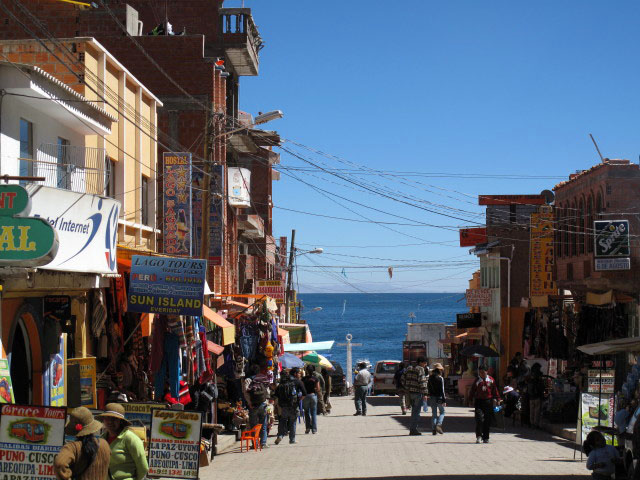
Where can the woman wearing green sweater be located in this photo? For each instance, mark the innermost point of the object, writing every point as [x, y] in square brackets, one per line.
[128, 458]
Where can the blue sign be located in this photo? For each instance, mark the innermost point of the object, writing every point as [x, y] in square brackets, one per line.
[165, 285]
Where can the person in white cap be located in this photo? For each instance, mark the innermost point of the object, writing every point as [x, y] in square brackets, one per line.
[511, 398]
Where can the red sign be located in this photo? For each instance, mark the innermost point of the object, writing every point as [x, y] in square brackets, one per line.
[478, 297]
[536, 199]
[470, 237]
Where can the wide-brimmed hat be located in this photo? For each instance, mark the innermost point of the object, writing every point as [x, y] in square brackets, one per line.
[437, 366]
[81, 423]
[114, 410]
[507, 389]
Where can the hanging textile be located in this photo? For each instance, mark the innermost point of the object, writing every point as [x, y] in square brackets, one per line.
[169, 371]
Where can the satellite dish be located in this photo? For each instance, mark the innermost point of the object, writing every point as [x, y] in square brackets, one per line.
[549, 197]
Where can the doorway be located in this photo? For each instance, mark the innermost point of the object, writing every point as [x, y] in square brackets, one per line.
[20, 365]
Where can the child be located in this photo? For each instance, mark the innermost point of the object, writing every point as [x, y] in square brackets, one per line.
[602, 458]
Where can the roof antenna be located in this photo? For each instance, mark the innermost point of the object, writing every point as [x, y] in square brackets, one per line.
[596, 145]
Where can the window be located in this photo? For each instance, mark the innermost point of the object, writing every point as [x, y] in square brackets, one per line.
[581, 229]
[565, 231]
[26, 148]
[111, 186]
[144, 210]
[589, 229]
[63, 173]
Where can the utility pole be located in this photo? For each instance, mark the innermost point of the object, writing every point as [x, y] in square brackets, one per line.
[206, 194]
[290, 277]
[349, 372]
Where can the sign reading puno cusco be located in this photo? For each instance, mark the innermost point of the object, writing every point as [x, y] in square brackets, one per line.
[24, 241]
[30, 438]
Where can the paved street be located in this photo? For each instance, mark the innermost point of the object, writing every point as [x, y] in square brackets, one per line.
[377, 446]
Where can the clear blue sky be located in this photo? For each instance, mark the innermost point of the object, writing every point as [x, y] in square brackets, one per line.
[456, 87]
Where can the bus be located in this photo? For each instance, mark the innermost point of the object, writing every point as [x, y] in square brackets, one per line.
[29, 430]
[175, 429]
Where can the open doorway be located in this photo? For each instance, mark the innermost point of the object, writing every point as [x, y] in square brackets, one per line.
[20, 364]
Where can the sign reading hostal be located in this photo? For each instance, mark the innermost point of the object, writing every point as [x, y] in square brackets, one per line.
[165, 285]
[176, 235]
[24, 241]
[611, 238]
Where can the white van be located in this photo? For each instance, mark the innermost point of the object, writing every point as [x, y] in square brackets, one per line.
[383, 377]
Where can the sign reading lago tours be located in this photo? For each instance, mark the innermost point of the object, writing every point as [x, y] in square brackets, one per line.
[541, 254]
[165, 285]
[177, 203]
[30, 438]
[24, 241]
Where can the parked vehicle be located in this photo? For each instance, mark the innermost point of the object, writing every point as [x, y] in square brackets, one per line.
[383, 377]
[338, 380]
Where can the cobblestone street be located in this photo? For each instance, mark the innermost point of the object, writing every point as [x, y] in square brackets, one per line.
[378, 446]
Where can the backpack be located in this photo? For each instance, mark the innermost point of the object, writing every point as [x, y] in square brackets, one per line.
[287, 394]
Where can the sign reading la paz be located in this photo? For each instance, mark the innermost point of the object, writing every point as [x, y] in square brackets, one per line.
[24, 241]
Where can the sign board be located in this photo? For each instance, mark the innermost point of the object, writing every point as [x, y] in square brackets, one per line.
[470, 237]
[536, 199]
[596, 382]
[541, 254]
[553, 367]
[478, 297]
[468, 320]
[176, 233]
[57, 307]
[24, 241]
[594, 412]
[6, 387]
[86, 225]
[30, 438]
[239, 187]
[611, 238]
[608, 264]
[87, 380]
[216, 219]
[57, 374]
[165, 285]
[174, 444]
[274, 288]
[281, 266]
[140, 411]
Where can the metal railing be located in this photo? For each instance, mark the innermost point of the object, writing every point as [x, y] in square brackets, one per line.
[239, 20]
[79, 169]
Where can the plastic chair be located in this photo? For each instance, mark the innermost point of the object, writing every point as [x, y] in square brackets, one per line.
[252, 435]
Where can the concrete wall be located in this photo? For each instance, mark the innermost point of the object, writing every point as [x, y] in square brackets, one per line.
[430, 333]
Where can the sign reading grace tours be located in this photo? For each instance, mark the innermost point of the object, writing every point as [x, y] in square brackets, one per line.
[165, 285]
[30, 438]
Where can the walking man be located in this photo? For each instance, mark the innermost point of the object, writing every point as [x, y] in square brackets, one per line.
[288, 395]
[361, 386]
[310, 401]
[402, 394]
[415, 383]
[484, 391]
[437, 397]
[535, 392]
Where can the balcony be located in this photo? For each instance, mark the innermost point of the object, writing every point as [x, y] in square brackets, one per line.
[241, 40]
[79, 169]
[251, 226]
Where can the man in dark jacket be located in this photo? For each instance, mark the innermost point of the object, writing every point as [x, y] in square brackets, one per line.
[288, 394]
[402, 393]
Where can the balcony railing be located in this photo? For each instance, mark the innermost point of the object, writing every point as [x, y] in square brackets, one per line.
[80, 169]
[241, 39]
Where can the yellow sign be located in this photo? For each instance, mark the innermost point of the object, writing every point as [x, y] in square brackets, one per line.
[541, 280]
[87, 380]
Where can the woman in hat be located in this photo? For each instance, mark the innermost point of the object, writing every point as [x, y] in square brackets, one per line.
[437, 397]
[86, 458]
[128, 458]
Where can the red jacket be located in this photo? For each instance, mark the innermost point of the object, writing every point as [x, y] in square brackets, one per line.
[484, 389]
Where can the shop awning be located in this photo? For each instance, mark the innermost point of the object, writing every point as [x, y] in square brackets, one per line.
[469, 336]
[214, 348]
[228, 329]
[305, 347]
[284, 334]
[620, 345]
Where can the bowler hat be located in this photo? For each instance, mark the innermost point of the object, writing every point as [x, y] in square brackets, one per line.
[81, 423]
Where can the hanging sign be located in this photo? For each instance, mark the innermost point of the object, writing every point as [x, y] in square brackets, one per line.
[165, 285]
[216, 219]
[87, 380]
[177, 203]
[478, 297]
[24, 241]
[468, 320]
[56, 375]
[541, 256]
[174, 444]
[470, 237]
[30, 438]
[608, 264]
[601, 381]
[6, 387]
[273, 288]
[140, 411]
[611, 238]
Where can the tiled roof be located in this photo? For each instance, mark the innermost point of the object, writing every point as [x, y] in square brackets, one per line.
[605, 162]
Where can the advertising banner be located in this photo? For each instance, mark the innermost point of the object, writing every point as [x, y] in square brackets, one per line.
[30, 438]
[281, 266]
[176, 233]
[239, 187]
[171, 286]
[601, 379]
[470, 237]
[56, 375]
[478, 297]
[541, 258]
[468, 320]
[86, 226]
[594, 413]
[174, 444]
[140, 411]
[6, 387]
[216, 218]
[611, 238]
[87, 380]
[273, 288]
[608, 264]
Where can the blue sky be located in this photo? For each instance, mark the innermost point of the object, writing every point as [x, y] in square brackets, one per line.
[458, 87]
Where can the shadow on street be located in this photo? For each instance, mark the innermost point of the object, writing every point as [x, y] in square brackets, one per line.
[471, 477]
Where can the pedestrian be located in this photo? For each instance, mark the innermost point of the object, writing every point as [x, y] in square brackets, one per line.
[288, 394]
[437, 397]
[310, 400]
[128, 457]
[414, 380]
[511, 399]
[535, 392]
[400, 390]
[484, 391]
[361, 385]
[327, 390]
[320, 394]
[87, 457]
[603, 458]
[258, 414]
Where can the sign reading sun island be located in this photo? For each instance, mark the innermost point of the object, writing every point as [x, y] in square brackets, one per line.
[174, 444]
[30, 438]
[166, 285]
